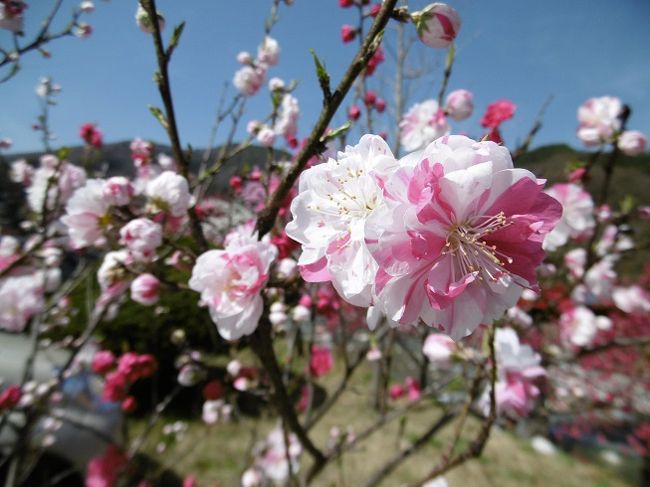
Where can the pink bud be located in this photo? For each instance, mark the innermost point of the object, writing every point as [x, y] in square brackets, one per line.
[145, 289]
[380, 105]
[348, 33]
[354, 112]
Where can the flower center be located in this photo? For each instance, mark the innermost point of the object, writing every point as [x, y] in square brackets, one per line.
[466, 242]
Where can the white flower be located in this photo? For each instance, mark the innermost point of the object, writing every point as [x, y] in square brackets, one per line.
[438, 348]
[577, 216]
[632, 142]
[335, 199]
[20, 298]
[249, 79]
[632, 299]
[230, 282]
[142, 237]
[170, 192]
[87, 214]
[422, 124]
[269, 51]
[143, 20]
[460, 104]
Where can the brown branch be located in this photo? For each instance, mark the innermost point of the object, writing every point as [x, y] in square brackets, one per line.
[263, 347]
[537, 125]
[402, 455]
[266, 220]
[162, 80]
[475, 448]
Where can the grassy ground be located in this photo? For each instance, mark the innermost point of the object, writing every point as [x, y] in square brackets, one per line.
[217, 455]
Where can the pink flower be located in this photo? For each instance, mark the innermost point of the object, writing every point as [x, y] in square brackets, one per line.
[354, 112]
[230, 282]
[380, 105]
[105, 470]
[286, 124]
[244, 58]
[577, 216]
[249, 79]
[268, 52]
[599, 120]
[11, 15]
[21, 172]
[266, 136]
[396, 391]
[376, 59]
[438, 349]
[413, 388]
[422, 124]
[141, 151]
[235, 183]
[437, 25]
[348, 33]
[115, 387]
[632, 299]
[374, 10]
[460, 104]
[118, 191]
[145, 23]
[498, 112]
[91, 135]
[145, 289]
[459, 235]
[170, 192]
[335, 199]
[142, 237]
[21, 297]
[321, 360]
[129, 404]
[519, 370]
[632, 142]
[579, 326]
[87, 214]
[103, 361]
[346, 3]
[9, 397]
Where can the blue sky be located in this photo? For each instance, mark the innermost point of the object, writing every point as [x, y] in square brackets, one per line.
[522, 50]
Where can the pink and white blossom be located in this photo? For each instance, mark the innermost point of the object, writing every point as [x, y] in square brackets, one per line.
[21, 172]
[287, 122]
[459, 236]
[11, 15]
[145, 23]
[266, 136]
[438, 349]
[142, 237]
[437, 25]
[118, 191]
[579, 326]
[87, 215]
[54, 185]
[632, 142]
[145, 289]
[599, 120]
[170, 192]
[268, 51]
[519, 371]
[632, 299]
[460, 104]
[422, 124]
[20, 298]
[112, 275]
[577, 216]
[249, 79]
[230, 282]
[334, 201]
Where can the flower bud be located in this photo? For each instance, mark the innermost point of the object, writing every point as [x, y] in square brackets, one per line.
[437, 25]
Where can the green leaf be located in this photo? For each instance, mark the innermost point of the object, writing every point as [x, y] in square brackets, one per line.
[63, 153]
[159, 115]
[333, 134]
[176, 35]
[323, 76]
